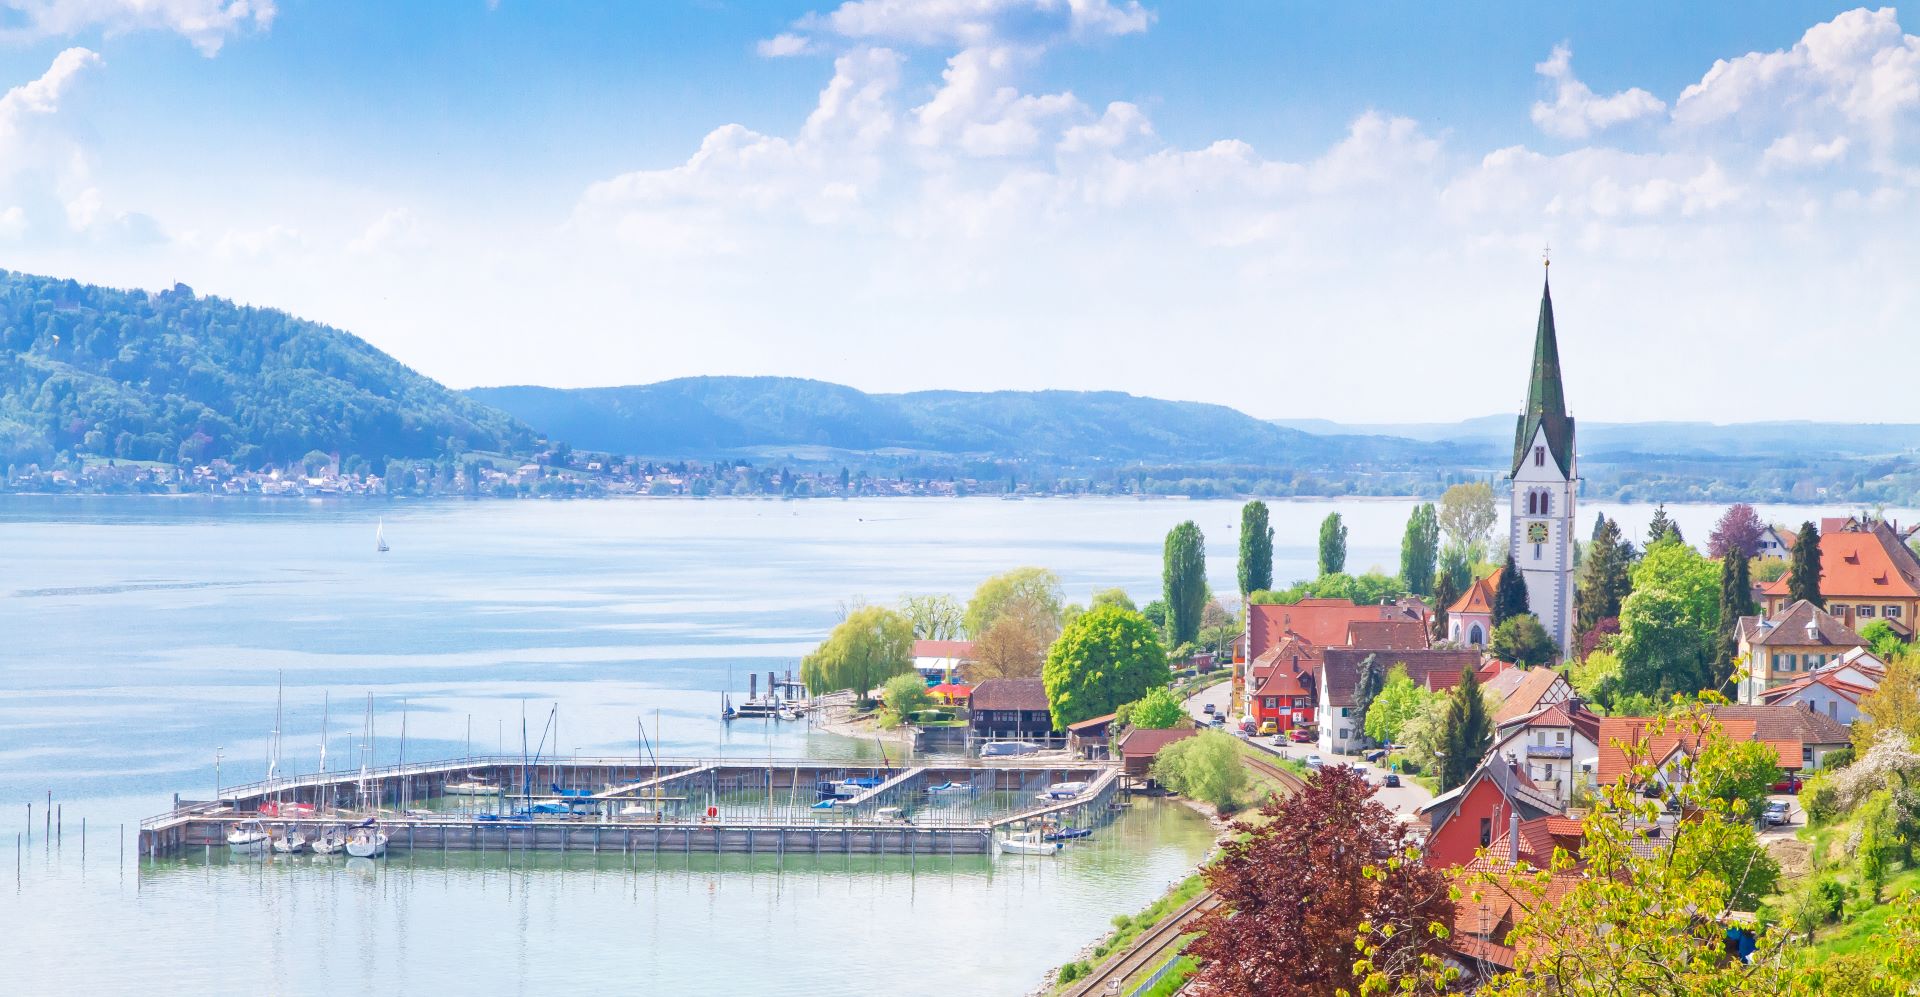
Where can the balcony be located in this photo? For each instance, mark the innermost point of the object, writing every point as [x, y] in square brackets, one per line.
[1549, 751]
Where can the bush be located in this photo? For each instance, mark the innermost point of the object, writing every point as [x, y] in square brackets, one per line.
[1820, 800]
[1071, 972]
[1122, 922]
[1830, 898]
[1203, 767]
[1838, 758]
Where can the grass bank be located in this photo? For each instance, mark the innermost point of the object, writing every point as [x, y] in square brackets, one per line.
[1127, 927]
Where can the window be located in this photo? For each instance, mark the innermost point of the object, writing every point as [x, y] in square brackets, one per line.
[1559, 737]
[1892, 613]
[1273, 702]
[1806, 757]
[1865, 612]
[1486, 831]
[1784, 662]
[1343, 733]
[1343, 712]
[1539, 456]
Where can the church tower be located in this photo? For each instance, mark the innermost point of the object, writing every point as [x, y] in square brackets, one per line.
[1545, 477]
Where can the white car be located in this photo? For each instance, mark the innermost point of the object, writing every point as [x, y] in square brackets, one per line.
[1313, 761]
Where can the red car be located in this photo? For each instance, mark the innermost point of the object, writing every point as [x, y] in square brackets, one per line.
[1787, 784]
[1299, 735]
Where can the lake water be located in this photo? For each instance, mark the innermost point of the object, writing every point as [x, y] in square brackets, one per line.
[140, 637]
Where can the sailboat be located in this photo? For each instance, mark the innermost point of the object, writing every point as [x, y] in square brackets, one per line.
[249, 838]
[367, 841]
[330, 841]
[380, 537]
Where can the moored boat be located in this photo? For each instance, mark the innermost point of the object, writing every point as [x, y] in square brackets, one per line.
[289, 841]
[1026, 843]
[473, 785]
[1063, 791]
[249, 838]
[329, 841]
[367, 842]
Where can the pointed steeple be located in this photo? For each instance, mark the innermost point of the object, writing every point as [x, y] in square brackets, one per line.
[1546, 401]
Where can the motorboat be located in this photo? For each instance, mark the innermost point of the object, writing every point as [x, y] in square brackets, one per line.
[367, 843]
[571, 794]
[472, 785]
[890, 815]
[826, 804]
[289, 841]
[1063, 791]
[949, 787]
[249, 838]
[639, 810]
[1066, 833]
[1000, 749]
[1026, 843]
[329, 842]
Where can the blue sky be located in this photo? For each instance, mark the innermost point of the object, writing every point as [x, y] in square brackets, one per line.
[1329, 210]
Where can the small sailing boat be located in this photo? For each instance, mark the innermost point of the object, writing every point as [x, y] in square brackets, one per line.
[1026, 843]
[289, 841]
[249, 838]
[367, 842]
[330, 841]
[475, 784]
[380, 537]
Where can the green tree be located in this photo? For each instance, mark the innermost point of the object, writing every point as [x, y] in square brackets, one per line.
[1670, 624]
[1256, 548]
[1400, 700]
[905, 694]
[1456, 565]
[1882, 639]
[1803, 567]
[1420, 549]
[1038, 587]
[935, 617]
[1333, 545]
[1738, 773]
[1371, 588]
[1662, 528]
[1109, 656]
[1183, 578]
[1112, 597]
[1203, 767]
[870, 646]
[1444, 596]
[1159, 709]
[1522, 640]
[1605, 576]
[1368, 680]
[1467, 516]
[1464, 732]
[1736, 600]
[1510, 597]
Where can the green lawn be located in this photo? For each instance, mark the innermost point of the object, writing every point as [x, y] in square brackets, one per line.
[1126, 928]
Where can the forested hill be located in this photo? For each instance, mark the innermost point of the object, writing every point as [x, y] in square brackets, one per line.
[170, 376]
[705, 416]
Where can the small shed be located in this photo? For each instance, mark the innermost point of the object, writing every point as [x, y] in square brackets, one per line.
[1088, 738]
[1138, 747]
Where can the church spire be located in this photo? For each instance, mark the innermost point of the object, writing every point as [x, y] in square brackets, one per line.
[1546, 401]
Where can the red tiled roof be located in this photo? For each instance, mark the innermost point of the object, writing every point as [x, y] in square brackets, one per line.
[1479, 597]
[1009, 694]
[1564, 714]
[1322, 622]
[1784, 723]
[1534, 685]
[1431, 668]
[1856, 564]
[1138, 743]
[1387, 635]
[1788, 628]
[1090, 723]
[1287, 667]
[1619, 734]
[961, 650]
[1848, 691]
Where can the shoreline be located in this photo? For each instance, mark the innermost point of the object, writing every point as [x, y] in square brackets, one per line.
[865, 730]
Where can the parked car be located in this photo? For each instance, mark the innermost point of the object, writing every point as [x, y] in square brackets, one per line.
[1376, 756]
[1391, 779]
[1787, 784]
[1313, 761]
[1299, 735]
[1207, 709]
[1247, 726]
[1779, 812]
[1269, 727]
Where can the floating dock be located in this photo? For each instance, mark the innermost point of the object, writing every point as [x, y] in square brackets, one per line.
[669, 805]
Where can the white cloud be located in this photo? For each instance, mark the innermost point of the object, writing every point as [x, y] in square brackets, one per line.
[265, 243]
[977, 22]
[42, 96]
[1121, 124]
[1799, 151]
[784, 44]
[205, 23]
[397, 230]
[1576, 111]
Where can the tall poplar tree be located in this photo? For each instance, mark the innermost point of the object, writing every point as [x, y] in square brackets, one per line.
[1333, 545]
[1606, 576]
[1803, 568]
[1183, 578]
[1464, 731]
[1420, 549]
[1256, 549]
[1736, 600]
[1510, 599]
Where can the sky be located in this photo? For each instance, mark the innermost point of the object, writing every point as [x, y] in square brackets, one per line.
[1300, 210]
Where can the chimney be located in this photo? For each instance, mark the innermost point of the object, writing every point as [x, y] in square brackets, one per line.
[1513, 837]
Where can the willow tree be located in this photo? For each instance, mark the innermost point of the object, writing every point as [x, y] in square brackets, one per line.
[870, 646]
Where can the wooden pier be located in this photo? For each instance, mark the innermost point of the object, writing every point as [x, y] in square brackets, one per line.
[628, 806]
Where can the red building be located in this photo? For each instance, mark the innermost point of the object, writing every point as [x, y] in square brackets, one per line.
[1283, 647]
[1469, 818]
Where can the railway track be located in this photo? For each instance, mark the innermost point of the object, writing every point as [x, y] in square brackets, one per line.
[1276, 773]
[1146, 952]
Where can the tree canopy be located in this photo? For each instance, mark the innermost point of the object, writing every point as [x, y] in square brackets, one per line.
[1399, 701]
[1738, 529]
[1109, 656]
[1203, 767]
[1605, 575]
[1037, 587]
[1371, 588]
[1016, 644]
[870, 646]
[1510, 596]
[1464, 732]
[1112, 597]
[1662, 527]
[935, 617]
[1522, 640]
[1669, 625]
[1420, 549]
[1467, 515]
[1159, 709]
[1256, 548]
[1333, 545]
[1183, 577]
[1803, 567]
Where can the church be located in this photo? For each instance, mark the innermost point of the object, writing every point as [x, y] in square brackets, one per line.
[1545, 477]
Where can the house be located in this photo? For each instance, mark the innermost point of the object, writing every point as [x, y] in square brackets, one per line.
[1466, 819]
[1485, 915]
[1823, 692]
[1523, 691]
[1866, 573]
[1775, 543]
[1470, 618]
[1388, 635]
[1088, 738]
[1137, 747]
[1558, 745]
[1340, 726]
[1281, 685]
[939, 660]
[1800, 738]
[1776, 650]
[1010, 708]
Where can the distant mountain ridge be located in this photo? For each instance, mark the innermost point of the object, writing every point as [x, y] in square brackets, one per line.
[172, 376]
[1621, 440]
[702, 416]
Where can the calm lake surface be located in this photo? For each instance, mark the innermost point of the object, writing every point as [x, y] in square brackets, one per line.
[138, 637]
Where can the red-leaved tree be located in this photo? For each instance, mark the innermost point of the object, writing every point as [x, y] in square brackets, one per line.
[1738, 529]
[1330, 865]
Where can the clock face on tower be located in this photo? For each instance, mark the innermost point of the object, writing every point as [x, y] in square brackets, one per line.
[1536, 533]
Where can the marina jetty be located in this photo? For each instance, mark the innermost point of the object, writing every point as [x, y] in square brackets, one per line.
[625, 805]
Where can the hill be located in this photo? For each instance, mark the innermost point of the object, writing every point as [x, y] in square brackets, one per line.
[172, 376]
[1602, 441]
[707, 416]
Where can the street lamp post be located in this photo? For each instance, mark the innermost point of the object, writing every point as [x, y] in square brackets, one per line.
[216, 772]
